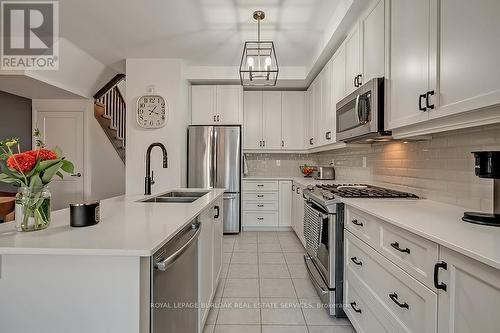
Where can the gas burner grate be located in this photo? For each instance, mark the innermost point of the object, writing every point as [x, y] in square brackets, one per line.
[364, 191]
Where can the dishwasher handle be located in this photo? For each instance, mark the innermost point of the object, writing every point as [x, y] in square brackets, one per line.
[166, 263]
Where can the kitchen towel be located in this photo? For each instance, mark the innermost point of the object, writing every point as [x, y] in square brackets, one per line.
[245, 165]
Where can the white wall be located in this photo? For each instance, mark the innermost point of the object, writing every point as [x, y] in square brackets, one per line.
[169, 78]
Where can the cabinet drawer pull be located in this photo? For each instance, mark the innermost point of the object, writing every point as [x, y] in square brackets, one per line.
[260, 218]
[298, 190]
[328, 135]
[260, 205]
[357, 223]
[217, 214]
[394, 298]
[437, 266]
[356, 261]
[353, 306]
[360, 82]
[260, 185]
[356, 84]
[420, 99]
[427, 99]
[218, 118]
[215, 119]
[293, 188]
[395, 245]
[260, 195]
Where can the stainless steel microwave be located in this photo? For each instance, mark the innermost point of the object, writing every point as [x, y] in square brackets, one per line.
[360, 115]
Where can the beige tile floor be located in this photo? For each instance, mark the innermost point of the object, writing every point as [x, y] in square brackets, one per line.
[265, 289]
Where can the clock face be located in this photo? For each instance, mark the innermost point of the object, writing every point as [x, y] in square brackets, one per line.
[151, 111]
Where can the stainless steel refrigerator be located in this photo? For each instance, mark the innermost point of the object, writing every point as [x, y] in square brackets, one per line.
[214, 161]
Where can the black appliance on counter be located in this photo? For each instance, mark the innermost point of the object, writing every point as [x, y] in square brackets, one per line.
[487, 166]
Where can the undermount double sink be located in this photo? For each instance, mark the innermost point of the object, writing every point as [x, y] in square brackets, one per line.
[177, 197]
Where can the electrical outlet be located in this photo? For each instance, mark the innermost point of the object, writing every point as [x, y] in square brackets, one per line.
[364, 161]
[278, 163]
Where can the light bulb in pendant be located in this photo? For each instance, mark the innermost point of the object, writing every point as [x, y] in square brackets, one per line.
[250, 63]
[268, 63]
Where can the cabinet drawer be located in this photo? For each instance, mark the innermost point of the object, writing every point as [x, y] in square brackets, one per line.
[255, 219]
[362, 316]
[363, 225]
[260, 196]
[407, 300]
[260, 206]
[414, 254]
[260, 186]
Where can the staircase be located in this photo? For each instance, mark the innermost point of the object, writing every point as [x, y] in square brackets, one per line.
[110, 112]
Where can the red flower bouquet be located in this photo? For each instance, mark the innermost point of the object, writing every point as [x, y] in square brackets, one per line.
[31, 171]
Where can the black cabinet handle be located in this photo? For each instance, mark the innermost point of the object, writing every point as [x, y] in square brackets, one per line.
[353, 306]
[395, 245]
[394, 298]
[260, 185]
[293, 188]
[282, 143]
[215, 117]
[427, 99]
[328, 135]
[218, 118]
[263, 143]
[260, 205]
[356, 261]
[260, 195]
[298, 190]
[217, 214]
[357, 223]
[260, 218]
[311, 141]
[356, 81]
[420, 99]
[437, 266]
[360, 76]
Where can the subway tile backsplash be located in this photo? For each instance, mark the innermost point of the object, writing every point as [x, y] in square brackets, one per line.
[440, 169]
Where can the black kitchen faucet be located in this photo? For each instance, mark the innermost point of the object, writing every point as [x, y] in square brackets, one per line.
[149, 180]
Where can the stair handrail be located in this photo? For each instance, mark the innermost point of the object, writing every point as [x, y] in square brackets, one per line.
[108, 86]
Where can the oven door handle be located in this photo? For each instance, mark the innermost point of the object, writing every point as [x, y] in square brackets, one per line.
[308, 261]
[356, 108]
[320, 214]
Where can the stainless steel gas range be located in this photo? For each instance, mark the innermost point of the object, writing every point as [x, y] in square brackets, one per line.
[324, 234]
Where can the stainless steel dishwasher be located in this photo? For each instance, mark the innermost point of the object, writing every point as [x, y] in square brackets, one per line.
[174, 286]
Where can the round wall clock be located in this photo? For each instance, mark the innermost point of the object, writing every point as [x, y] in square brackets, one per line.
[151, 111]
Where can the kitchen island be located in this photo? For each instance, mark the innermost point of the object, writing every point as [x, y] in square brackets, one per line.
[94, 279]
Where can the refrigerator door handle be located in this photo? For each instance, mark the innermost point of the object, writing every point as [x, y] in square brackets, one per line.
[214, 157]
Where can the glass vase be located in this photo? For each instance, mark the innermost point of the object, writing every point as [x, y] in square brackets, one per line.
[32, 208]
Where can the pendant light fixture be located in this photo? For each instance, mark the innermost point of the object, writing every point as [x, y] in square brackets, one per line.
[259, 66]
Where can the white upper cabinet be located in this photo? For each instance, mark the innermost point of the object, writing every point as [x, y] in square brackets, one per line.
[325, 124]
[203, 105]
[338, 86]
[409, 72]
[229, 105]
[353, 75]
[315, 112]
[216, 105]
[252, 129]
[293, 127]
[309, 123]
[469, 51]
[373, 42]
[271, 119]
[470, 301]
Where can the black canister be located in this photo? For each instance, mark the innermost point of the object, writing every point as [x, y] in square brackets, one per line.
[84, 214]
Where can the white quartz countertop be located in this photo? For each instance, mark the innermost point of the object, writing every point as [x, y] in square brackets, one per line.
[127, 228]
[439, 222]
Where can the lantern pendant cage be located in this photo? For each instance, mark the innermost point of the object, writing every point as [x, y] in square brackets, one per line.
[259, 65]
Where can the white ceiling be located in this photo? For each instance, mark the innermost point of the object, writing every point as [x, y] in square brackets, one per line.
[203, 32]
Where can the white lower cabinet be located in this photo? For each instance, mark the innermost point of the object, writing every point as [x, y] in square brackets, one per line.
[396, 281]
[401, 300]
[267, 205]
[298, 212]
[209, 257]
[285, 203]
[471, 300]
